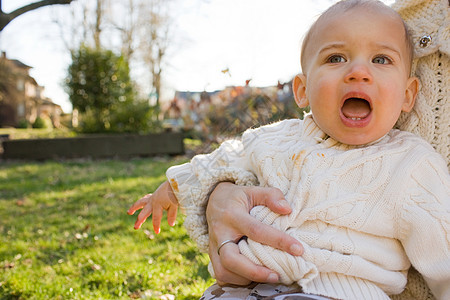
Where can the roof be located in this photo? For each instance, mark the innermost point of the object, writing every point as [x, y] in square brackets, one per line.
[19, 64]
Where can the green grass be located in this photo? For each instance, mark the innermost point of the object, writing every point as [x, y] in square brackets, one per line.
[65, 234]
[33, 133]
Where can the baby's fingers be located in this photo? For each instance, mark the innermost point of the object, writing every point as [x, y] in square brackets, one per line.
[143, 215]
[157, 216]
[139, 204]
[172, 214]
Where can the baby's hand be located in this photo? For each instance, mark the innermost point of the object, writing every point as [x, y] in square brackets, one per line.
[162, 199]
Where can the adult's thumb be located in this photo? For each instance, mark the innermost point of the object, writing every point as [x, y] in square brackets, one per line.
[271, 197]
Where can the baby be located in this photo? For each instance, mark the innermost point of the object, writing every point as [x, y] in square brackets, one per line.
[367, 200]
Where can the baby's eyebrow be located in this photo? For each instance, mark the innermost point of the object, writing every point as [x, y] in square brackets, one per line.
[332, 46]
[389, 48]
[378, 46]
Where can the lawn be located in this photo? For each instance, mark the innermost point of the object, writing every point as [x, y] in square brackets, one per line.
[65, 234]
[33, 133]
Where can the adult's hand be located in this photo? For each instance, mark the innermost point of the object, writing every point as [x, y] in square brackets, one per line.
[229, 219]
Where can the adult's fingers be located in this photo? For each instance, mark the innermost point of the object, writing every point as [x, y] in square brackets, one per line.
[138, 204]
[244, 271]
[267, 235]
[223, 275]
[271, 197]
[231, 219]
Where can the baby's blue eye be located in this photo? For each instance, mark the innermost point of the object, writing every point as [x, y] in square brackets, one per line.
[381, 60]
[335, 59]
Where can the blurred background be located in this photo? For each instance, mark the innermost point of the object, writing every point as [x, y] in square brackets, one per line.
[149, 65]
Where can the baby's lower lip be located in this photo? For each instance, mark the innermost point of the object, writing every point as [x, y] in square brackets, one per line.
[355, 122]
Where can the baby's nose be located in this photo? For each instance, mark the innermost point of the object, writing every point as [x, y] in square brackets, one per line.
[358, 72]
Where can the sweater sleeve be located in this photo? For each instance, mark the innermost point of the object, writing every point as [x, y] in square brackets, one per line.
[194, 181]
[425, 223]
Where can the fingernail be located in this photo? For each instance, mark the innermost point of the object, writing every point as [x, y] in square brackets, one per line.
[284, 204]
[296, 249]
[273, 278]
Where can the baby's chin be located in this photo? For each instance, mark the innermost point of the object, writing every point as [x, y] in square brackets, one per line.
[358, 140]
[354, 136]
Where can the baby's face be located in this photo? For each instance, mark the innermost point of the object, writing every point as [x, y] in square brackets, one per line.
[357, 75]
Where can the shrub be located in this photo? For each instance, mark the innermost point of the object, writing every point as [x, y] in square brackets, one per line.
[23, 124]
[100, 87]
[42, 123]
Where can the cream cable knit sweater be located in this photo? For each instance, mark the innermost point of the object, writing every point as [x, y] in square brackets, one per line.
[362, 213]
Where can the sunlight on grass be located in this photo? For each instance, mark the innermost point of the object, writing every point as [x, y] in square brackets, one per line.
[65, 234]
[32, 133]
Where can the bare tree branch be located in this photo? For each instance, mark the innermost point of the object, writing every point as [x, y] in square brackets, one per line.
[98, 22]
[5, 18]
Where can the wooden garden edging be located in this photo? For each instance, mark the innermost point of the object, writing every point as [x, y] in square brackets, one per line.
[95, 146]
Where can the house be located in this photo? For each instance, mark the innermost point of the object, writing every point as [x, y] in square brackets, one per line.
[228, 112]
[21, 98]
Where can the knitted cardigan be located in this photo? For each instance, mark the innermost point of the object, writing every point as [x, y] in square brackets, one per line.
[429, 23]
[362, 213]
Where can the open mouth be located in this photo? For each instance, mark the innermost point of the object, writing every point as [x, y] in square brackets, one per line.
[356, 109]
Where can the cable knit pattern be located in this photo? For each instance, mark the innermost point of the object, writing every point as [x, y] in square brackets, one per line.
[361, 212]
[338, 233]
[431, 114]
[192, 182]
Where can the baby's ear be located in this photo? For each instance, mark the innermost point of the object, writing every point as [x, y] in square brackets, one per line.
[299, 89]
[412, 88]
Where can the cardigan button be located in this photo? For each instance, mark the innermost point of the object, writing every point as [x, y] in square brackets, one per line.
[424, 41]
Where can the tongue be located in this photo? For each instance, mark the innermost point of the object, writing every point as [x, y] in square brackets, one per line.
[356, 108]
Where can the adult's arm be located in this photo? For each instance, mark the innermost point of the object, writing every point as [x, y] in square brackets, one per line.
[229, 219]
